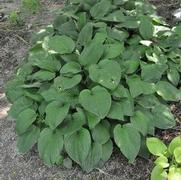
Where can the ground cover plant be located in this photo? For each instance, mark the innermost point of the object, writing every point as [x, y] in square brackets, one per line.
[102, 74]
[168, 163]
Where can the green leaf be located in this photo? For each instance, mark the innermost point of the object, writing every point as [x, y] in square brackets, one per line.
[116, 16]
[94, 156]
[177, 154]
[70, 57]
[82, 19]
[129, 23]
[138, 87]
[107, 73]
[69, 29]
[67, 163]
[173, 76]
[92, 119]
[128, 140]
[87, 57]
[33, 95]
[100, 36]
[50, 144]
[100, 133]
[73, 124]
[113, 50]
[44, 61]
[152, 72]
[14, 90]
[167, 91]
[59, 44]
[156, 146]
[96, 101]
[148, 101]
[117, 34]
[53, 94]
[107, 150]
[119, 2]
[71, 67]
[26, 140]
[120, 92]
[146, 28]
[163, 118]
[100, 9]
[77, 145]
[162, 161]
[140, 122]
[62, 83]
[158, 173]
[25, 120]
[42, 75]
[56, 113]
[116, 111]
[174, 173]
[20, 105]
[130, 66]
[85, 35]
[176, 142]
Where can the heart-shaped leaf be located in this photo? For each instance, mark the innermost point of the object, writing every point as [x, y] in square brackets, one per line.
[100, 133]
[113, 50]
[50, 145]
[140, 122]
[77, 145]
[71, 67]
[116, 111]
[25, 120]
[44, 61]
[28, 139]
[138, 87]
[100, 9]
[106, 73]
[87, 57]
[163, 118]
[167, 91]
[56, 113]
[95, 154]
[73, 124]
[59, 44]
[42, 75]
[62, 83]
[85, 34]
[96, 101]
[128, 140]
[146, 28]
[152, 72]
[92, 119]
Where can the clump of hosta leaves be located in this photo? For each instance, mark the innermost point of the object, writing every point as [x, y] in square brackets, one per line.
[102, 74]
[168, 163]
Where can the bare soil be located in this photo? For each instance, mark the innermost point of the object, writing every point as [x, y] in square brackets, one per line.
[14, 44]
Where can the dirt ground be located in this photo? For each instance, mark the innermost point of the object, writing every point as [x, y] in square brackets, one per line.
[14, 43]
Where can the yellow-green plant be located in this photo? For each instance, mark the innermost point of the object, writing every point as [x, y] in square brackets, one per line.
[168, 163]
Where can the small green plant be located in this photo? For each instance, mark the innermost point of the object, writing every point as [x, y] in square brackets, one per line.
[15, 18]
[101, 74]
[31, 5]
[168, 163]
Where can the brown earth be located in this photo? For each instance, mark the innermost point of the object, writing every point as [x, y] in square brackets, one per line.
[14, 43]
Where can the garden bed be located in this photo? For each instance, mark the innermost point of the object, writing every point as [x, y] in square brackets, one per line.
[14, 43]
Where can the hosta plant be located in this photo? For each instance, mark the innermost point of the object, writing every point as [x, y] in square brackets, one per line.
[101, 74]
[168, 163]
